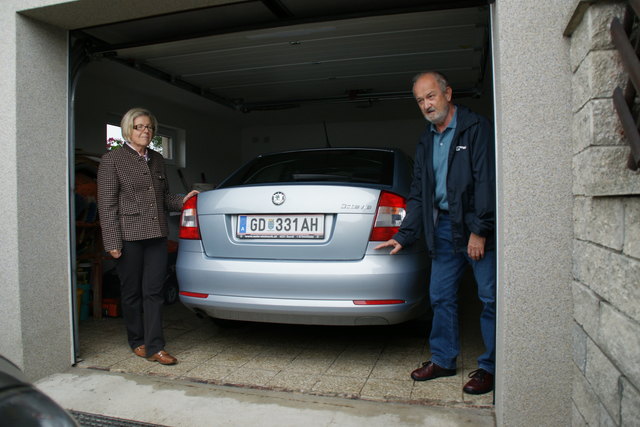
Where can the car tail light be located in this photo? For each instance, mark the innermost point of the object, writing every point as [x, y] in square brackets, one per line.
[389, 216]
[189, 220]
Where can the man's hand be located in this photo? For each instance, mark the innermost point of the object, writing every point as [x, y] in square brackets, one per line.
[391, 242]
[475, 248]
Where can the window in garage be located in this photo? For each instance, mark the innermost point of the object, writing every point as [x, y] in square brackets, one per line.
[290, 73]
[164, 141]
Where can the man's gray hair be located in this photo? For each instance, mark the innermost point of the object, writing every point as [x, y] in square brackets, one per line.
[441, 79]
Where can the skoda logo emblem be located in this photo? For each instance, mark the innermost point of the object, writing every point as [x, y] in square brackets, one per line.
[278, 198]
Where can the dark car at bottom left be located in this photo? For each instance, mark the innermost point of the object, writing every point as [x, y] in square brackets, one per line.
[23, 405]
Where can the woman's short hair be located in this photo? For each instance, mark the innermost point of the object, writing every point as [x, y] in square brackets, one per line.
[126, 124]
[441, 79]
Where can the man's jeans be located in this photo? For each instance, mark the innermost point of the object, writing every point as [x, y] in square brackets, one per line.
[446, 270]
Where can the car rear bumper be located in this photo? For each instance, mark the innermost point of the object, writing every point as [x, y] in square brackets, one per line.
[305, 292]
[308, 312]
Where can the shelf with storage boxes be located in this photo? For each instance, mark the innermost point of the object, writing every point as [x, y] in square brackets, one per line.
[89, 249]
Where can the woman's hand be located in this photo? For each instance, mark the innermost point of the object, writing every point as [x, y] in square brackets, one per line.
[116, 253]
[190, 195]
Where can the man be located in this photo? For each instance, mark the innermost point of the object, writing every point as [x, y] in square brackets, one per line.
[452, 205]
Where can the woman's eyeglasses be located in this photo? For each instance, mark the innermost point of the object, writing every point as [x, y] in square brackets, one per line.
[143, 127]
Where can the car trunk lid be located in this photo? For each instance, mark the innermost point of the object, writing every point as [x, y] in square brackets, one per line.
[293, 222]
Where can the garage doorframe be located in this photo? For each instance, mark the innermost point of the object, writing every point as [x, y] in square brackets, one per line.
[538, 332]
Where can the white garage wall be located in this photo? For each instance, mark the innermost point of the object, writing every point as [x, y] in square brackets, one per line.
[397, 133]
[396, 124]
[218, 139]
[105, 89]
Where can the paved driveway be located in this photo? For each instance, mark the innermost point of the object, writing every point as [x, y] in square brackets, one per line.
[371, 363]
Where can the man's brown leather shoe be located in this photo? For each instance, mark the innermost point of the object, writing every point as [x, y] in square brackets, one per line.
[163, 358]
[140, 351]
[481, 382]
[430, 370]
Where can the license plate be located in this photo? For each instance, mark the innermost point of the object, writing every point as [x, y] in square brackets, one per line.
[280, 226]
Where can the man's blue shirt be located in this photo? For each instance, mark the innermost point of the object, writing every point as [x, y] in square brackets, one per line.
[441, 144]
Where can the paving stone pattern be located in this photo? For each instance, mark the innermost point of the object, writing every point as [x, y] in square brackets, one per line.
[371, 363]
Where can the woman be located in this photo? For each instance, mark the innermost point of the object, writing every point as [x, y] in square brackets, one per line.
[133, 200]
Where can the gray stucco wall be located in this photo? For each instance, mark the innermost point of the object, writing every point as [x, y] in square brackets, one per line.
[34, 231]
[43, 215]
[10, 338]
[533, 124]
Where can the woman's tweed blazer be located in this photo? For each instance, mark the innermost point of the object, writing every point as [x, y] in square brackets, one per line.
[133, 197]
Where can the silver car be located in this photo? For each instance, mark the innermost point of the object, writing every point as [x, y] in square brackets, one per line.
[290, 237]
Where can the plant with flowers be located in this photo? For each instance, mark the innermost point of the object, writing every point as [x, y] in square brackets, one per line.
[115, 143]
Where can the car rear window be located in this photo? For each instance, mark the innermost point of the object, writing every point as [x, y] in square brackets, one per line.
[349, 166]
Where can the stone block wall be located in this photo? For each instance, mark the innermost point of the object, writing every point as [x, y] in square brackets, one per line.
[606, 254]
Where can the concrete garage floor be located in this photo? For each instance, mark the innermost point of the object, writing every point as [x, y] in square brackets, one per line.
[368, 363]
[99, 398]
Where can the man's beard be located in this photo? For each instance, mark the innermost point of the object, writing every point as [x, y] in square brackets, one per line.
[437, 117]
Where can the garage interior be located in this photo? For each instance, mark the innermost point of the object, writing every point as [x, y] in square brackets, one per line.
[241, 78]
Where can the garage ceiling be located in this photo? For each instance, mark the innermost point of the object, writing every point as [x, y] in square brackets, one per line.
[276, 54]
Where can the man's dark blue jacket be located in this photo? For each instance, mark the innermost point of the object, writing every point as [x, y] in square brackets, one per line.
[470, 185]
